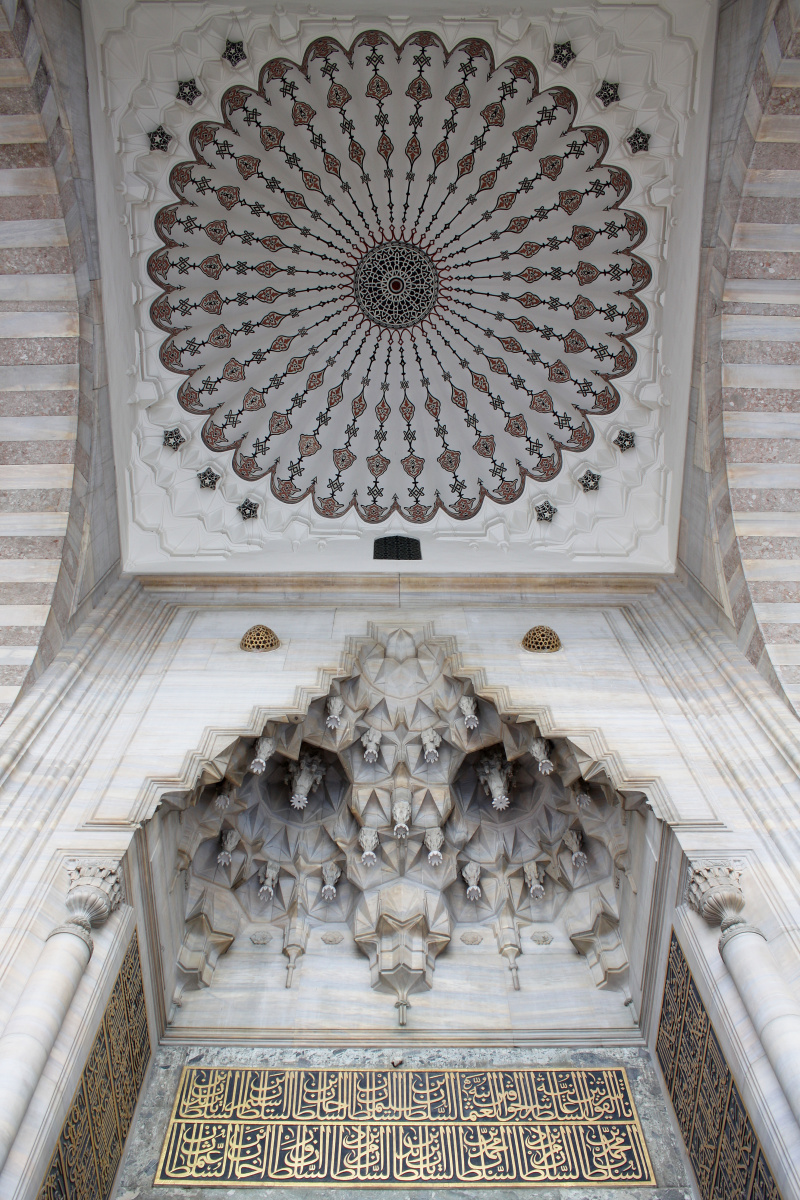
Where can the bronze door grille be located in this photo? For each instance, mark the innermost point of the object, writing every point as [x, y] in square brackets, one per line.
[723, 1148]
[448, 1128]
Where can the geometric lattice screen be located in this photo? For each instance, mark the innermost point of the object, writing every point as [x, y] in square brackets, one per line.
[724, 1150]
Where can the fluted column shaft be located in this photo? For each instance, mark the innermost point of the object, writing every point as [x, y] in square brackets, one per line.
[34, 1024]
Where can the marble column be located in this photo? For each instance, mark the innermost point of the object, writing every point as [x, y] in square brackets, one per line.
[715, 893]
[33, 1026]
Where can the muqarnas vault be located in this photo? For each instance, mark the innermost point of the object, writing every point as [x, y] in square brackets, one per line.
[403, 806]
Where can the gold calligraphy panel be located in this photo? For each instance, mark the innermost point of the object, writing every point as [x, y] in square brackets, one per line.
[724, 1150]
[449, 1128]
[93, 1136]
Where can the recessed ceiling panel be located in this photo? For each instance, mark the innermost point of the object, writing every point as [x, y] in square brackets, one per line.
[396, 275]
[397, 279]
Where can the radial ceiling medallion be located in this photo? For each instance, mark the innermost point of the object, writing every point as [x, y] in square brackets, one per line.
[398, 279]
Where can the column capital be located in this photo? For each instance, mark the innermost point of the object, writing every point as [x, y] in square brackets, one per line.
[94, 890]
[714, 890]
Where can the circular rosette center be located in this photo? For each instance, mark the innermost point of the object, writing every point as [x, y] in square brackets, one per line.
[396, 284]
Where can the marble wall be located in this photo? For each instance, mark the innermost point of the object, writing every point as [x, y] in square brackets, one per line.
[155, 687]
[59, 542]
[740, 500]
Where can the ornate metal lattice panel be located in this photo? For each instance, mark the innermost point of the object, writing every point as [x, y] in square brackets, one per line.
[724, 1150]
[92, 1138]
[250, 1126]
[398, 278]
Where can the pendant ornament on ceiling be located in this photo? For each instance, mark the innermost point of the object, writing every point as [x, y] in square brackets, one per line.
[385, 206]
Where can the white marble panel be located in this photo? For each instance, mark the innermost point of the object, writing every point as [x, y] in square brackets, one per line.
[472, 995]
[17, 656]
[752, 112]
[773, 184]
[760, 375]
[763, 291]
[761, 424]
[13, 73]
[37, 287]
[771, 570]
[37, 429]
[783, 611]
[767, 524]
[751, 328]
[783, 654]
[38, 324]
[752, 235]
[779, 128]
[36, 524]
[16, 235]
[29, 570]
[27, 181]
[788, 73]
[764, 475]
[36, 475]
[23, 128]
[62, 377]
[23, 614]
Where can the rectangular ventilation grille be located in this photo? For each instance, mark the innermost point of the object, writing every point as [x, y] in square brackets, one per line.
[399, 548]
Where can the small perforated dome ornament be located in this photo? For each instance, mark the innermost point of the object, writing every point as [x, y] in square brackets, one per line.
[259, 638]
[541, 640]
[398, 278]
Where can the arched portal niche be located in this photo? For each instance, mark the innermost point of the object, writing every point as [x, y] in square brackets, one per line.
[402, 850]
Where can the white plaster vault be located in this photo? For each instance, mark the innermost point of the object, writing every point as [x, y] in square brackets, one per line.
[662, 59]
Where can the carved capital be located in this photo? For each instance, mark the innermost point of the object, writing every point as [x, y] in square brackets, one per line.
[715, 892]
[94, 890]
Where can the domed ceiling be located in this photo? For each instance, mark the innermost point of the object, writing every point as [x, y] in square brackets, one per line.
[398, 279]
[429, 275]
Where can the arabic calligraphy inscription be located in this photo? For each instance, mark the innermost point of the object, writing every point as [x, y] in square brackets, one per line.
[402, 1128]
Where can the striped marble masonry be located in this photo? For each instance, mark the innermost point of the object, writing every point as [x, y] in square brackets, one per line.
[39, 338]
[761, 354]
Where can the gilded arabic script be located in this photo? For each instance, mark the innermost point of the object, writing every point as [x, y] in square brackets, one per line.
[250, 1126]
